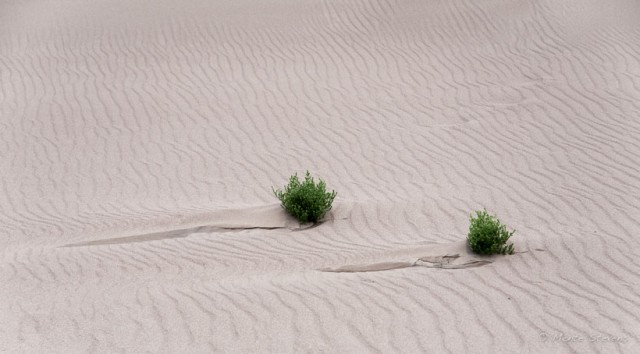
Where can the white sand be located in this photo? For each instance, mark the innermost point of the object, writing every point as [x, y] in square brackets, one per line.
[140, 141]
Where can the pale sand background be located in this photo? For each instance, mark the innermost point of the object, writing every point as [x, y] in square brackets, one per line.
[130, 118]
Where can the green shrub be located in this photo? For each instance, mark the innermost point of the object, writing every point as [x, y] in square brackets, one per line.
[488, 236]
[306, 201]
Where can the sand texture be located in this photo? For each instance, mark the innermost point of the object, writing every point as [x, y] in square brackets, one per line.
[140, 141]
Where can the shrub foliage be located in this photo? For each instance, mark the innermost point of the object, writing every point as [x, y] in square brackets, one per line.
[488, 236]
[306, 200]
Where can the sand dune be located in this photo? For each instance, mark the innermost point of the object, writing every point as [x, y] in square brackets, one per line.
[148, 135]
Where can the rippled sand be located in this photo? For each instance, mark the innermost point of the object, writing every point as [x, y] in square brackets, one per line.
[140, 141]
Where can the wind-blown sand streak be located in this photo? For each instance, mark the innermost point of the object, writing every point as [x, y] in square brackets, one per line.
[261, 217]
[143, 137]
[445, 256]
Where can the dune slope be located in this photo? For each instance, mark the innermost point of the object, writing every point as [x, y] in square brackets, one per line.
[140, 141]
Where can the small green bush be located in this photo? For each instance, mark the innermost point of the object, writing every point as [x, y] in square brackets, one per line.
[306, 201]
[488, 236]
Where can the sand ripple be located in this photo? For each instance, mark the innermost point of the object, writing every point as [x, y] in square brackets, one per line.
[149, 135]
